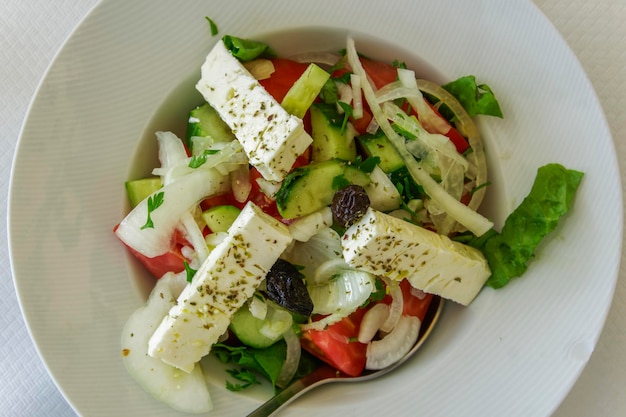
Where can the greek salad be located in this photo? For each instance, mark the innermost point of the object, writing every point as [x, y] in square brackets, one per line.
[314, 210]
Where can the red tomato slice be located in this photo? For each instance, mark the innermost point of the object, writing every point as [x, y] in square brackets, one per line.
[286, 72]
[414, 306]
[171, 261]
[337, 344]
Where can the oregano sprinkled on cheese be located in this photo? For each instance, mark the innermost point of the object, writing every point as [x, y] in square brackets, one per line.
[154, 202]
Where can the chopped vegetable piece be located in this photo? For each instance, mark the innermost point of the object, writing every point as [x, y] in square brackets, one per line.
[549, 199]
[476, 99]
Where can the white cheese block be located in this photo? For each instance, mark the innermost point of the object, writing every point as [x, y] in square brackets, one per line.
[387, 246]
[228, 277]
[271, 137]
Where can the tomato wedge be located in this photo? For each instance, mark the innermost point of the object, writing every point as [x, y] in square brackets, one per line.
[171, 261]
[286, 72]
[337, 345]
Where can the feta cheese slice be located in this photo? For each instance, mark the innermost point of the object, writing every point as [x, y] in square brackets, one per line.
[228, 277]
[270, 136]
[387, 246]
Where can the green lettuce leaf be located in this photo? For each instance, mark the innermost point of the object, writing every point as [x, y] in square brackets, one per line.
[267, 362]
[550, 197]
[476, 99]
[246, 50]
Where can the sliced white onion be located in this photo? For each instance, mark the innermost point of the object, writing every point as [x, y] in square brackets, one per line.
[260, 68]
[395, 309]
[305, 227]
[395, 90]
[268, 187]
[324, 245]
[357, 98]
[372, 320]
[179, 198]
[417, 293]
[171, 153]
[426, 115]
[257, 307]
[322, 323]
[214, 239]
[471, 219]
[382, 192]
[324, 58]
[187, 392]
[240, 182]
[345, 95]
[372, 127]
[277, 321]
[328, 270]
[432, 142]
[292, 359]
[388, 350]
[343, 294]
[193, 234]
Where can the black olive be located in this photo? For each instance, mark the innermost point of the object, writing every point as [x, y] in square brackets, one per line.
[286, 288]
[349, 204]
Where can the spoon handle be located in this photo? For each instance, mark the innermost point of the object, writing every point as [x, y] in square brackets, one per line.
[293, 391]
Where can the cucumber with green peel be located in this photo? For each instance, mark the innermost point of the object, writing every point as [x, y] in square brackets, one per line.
[304, 91]
[312, 187]
[330, 138]
[138, 190]
[260, 333]
[220, 218]
[205, 121]
[377, 145]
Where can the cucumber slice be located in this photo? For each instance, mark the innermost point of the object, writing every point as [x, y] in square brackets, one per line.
[220, 218]
[187, 392]
[205, 121]
[312, 187]
[250, 330]
[329, 141]
[304, 91]
[378, 145]
[138, 190]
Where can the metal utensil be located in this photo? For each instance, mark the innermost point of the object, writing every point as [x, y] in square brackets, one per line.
[326, 374]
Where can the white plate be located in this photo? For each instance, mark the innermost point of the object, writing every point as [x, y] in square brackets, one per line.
[514, 352]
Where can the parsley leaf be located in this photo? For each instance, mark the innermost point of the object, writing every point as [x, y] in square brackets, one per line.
[212, 25]
[154, 202]
[244, 375]
[190, 271]
[398, 64]
[339, 182]
[199, 160]
[329, 93]
[368, 164]
[347, 113]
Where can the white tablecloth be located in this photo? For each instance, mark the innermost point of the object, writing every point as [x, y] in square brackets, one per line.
[32, 31]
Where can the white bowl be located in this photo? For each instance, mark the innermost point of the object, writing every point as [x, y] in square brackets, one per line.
[129, 70]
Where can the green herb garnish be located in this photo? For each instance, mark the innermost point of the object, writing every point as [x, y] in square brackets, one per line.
[244, 375]
[189, 271]
[212, 25]
[154, 202]
[347, 113]
[199, 160]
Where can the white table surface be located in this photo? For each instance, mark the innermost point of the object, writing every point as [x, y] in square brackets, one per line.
[32, 31]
